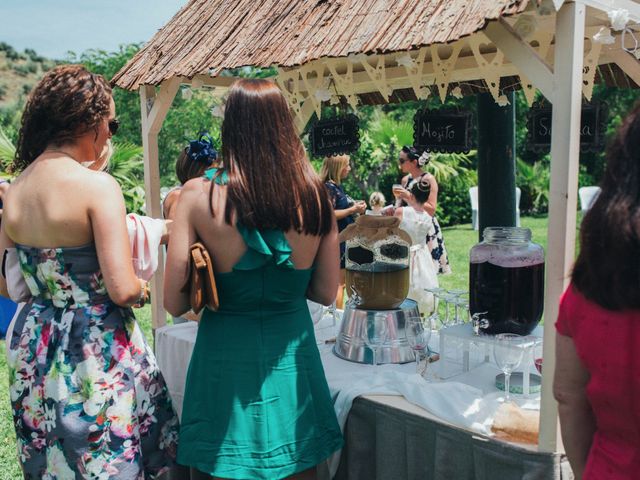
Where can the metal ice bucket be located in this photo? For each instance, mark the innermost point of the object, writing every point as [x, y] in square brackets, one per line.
[351, 346]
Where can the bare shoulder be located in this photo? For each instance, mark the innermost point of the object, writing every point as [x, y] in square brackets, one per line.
[405, 179]
[194, 196]
[173, 195]
[100, 188]
[195, 190]
[102, 181]
[196, 185]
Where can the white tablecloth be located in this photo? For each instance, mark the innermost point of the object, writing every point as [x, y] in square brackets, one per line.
[468, 400]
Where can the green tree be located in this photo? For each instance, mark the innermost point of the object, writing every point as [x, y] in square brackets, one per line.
[127, 168]
[189, 113]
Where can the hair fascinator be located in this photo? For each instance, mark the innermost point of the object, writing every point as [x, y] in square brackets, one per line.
[202, 149]
[423, 184]
[424, 158]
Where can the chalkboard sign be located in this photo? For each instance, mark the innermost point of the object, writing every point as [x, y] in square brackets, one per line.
[592, 127]
[336, 136]
[442, 131]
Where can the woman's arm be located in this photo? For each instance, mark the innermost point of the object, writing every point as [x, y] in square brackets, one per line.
[432, 202]
[183, 235]
[324, 280]
[576, 417]
[170, 203]
[346, 212]
[107, 214]
[4, 186]
[398, 212]
[5, 242]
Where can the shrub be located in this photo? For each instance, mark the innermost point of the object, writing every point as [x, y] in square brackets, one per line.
[33, 56]
[454, 206]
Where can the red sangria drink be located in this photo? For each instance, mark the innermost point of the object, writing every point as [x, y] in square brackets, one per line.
[506, 281]
[538, 363]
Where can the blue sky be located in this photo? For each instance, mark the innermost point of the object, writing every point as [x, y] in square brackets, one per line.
[54, 27]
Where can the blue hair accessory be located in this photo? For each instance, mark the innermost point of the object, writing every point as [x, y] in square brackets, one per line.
[202, 150]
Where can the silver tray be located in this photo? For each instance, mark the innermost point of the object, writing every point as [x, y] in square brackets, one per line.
[350, 344]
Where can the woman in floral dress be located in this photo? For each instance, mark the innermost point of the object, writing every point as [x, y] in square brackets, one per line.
[87, 397]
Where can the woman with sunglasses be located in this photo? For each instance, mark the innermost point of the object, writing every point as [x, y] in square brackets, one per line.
[87, 397]
[411, 164]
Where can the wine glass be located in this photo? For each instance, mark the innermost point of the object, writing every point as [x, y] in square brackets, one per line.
[375, 334]
[508, 353]
[332, 312]
[434, 318]
[418, 333]
[537, 355]
[397, 189]
[458, 300]
[447, 299]
[462, 302]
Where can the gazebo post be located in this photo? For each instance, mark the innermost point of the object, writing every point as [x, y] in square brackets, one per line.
[565, 151]
[154, 109]
[304, 116]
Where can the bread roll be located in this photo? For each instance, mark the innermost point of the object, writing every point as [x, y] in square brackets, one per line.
[513, 424]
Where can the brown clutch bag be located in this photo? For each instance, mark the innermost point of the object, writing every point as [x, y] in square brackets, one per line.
[201, 282]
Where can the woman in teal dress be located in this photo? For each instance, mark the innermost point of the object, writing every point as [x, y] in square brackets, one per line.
[257, 404]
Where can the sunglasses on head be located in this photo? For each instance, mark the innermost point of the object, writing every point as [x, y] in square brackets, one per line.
[113, 126]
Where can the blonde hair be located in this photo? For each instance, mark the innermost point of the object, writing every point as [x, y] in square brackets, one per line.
[377, 200]
[332, 168]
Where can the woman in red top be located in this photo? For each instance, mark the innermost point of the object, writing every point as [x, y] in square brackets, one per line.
[597, 377]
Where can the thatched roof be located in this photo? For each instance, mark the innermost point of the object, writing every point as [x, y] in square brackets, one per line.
[209, 36]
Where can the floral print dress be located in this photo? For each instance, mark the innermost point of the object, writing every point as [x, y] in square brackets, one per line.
[87, 397]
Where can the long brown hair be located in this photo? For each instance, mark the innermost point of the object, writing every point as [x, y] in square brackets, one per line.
[68, 102]
[607, 270]
[272, 184]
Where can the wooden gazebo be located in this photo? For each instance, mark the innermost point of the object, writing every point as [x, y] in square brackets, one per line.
[375, 51]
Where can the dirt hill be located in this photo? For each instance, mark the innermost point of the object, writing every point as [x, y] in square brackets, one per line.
[19, 72]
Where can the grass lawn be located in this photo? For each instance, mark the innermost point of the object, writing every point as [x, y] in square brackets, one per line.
[461, 238]
[458, 239]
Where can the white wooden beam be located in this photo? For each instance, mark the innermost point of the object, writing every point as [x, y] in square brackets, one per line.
[563, 193]
[522, 55]
[305, 114]
[161, 104]
[216, 82]
[607, 5]
[153, 110]
[627, 63]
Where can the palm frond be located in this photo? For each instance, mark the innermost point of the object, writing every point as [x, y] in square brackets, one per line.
[385, 130]
[446, 166]
[7, 151]
[126, 164]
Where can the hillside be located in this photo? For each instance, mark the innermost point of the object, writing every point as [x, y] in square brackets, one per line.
[19, 71]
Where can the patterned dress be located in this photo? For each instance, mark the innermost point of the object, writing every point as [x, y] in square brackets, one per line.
[87, 397]
[340, 201]
[435, 240]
